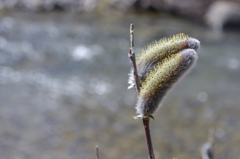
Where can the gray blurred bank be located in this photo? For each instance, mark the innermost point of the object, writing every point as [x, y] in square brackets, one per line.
[217, 14]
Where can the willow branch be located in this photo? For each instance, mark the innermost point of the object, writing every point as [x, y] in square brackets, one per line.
[148, 138]
[131, 55]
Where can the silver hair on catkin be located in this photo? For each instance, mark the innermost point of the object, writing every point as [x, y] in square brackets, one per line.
[160, 66]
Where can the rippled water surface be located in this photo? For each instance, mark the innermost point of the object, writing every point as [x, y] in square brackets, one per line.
[63, 89]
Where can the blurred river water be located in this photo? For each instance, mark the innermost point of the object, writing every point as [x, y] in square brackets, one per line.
[63, 88]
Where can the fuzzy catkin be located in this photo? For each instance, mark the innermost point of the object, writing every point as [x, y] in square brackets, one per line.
[155, 52]
[160, 66]
[161, 79]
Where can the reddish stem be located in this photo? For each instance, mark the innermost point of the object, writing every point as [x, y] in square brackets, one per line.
[148, 138]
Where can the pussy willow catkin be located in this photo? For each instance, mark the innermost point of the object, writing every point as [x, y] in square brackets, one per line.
[160, 65]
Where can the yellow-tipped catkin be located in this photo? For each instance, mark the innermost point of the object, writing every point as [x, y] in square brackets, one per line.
[163, 48]
[161, 79]
[157, 51]
[161, 64]
[161, 74]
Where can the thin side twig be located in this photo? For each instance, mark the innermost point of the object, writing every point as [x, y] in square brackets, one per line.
[148, 138]
[131, 55]
[97, 153]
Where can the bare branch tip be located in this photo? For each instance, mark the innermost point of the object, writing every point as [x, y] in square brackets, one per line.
[97, 152]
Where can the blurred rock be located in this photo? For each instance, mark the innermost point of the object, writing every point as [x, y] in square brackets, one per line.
[222, 13]
[193, 9]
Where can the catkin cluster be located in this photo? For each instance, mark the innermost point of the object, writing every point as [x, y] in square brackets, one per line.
[161, 64]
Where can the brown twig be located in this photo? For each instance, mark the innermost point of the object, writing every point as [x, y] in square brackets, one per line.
[148, 138]
[146, 120]
[97, 153]
[131, 55]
